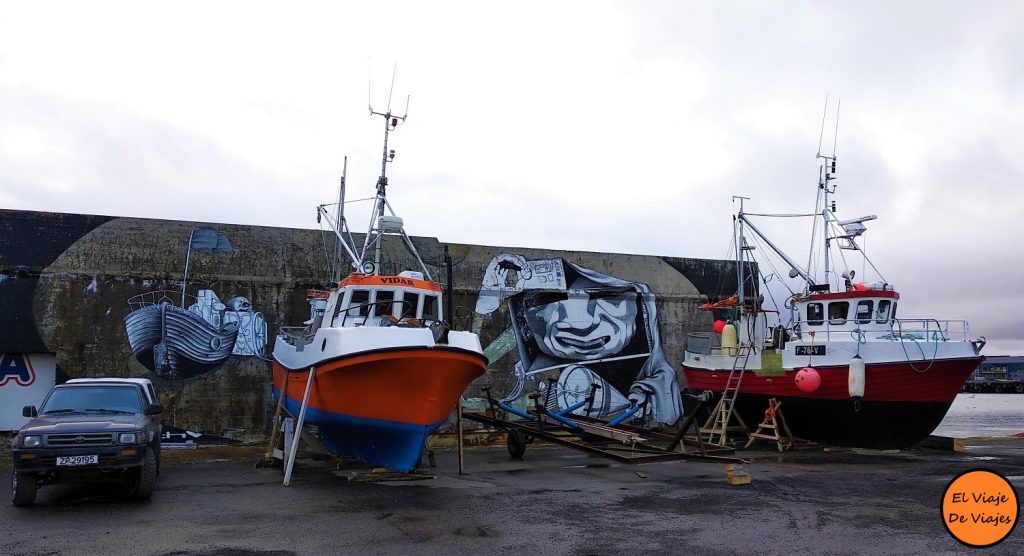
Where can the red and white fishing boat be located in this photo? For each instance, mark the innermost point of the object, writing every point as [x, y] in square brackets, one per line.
[387, 369]
[872, 380]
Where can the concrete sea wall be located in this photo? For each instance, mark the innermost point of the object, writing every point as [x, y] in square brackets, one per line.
[66, 282]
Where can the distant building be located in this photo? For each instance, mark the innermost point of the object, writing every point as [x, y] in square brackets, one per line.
[1002, 373]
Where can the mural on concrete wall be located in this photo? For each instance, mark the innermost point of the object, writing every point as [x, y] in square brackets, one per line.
[65, 280]
[186, 338]
[24, 380]
[587, 331]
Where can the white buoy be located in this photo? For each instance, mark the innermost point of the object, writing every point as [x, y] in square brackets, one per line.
[857, 378]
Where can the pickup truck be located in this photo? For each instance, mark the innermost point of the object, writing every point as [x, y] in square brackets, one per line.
[90, 429]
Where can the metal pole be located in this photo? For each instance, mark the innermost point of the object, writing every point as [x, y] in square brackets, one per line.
[188, 254]
[462, 462]
[789, 261]
[298, 428]
[449, 287]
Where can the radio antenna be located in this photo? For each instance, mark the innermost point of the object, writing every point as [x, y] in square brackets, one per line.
[394, 70]
[822, 134]
[835, 139]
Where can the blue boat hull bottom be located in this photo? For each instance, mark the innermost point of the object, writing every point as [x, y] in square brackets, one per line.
[394, 445]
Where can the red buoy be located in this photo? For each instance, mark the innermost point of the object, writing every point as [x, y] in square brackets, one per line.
[719, 325]
[807, 379]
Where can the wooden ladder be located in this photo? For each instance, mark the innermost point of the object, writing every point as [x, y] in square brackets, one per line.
[717, 425]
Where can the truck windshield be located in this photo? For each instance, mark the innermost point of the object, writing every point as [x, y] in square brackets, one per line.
[93, 398]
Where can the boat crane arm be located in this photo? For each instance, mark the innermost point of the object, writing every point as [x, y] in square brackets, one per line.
[789, 261]
[412, 249]
[322, 212]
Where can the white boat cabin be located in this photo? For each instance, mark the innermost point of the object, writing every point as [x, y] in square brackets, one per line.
[373, 300]
[862, 309]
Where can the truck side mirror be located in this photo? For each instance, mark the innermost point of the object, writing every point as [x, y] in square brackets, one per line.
[154, 409]
[29, 411]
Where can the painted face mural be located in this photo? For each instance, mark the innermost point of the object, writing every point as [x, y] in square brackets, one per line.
[589, 333]
[585, 325]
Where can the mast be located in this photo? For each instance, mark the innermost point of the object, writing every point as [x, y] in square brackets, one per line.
[381, 224]
[741, 246]
[338, 222]
[826, 173]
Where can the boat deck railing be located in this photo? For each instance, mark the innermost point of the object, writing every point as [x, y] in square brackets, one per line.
[916, 330]
[157, 297]
[704, 343]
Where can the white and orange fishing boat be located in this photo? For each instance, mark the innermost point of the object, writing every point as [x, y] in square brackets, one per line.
[847, 370]
[388, 370]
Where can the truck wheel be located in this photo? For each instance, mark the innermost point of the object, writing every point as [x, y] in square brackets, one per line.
[516, 443]
[147, 476]
[139, 482]
[156, 449]
[23, 488]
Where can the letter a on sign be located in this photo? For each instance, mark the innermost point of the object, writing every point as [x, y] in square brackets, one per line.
[16, 367]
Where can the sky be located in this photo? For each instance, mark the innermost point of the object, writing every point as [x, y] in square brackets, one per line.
[585, 126]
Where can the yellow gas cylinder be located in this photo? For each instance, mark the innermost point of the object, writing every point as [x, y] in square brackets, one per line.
[729, 340]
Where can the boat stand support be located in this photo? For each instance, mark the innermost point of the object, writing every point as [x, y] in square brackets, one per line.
[773, 421]
[618, 442]
[289, 462]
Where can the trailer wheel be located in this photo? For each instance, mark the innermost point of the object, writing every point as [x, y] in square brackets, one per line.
[516, 443]
[23, 488]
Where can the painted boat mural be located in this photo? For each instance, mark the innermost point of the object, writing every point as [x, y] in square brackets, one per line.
[180, 341]
[174, 342]
[388, 370]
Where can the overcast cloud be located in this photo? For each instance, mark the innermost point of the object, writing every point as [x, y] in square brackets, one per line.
[621, 126]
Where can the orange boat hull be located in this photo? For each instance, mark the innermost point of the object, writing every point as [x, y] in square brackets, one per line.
[381, 406]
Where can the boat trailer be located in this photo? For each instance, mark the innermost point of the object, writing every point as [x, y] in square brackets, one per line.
[609, 439]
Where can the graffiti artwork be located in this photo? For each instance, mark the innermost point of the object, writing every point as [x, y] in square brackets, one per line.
[588, 331]
[182, 341]
[17, 368]
[24, 380]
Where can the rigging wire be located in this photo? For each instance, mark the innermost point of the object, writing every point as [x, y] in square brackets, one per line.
[811, 260]
[329, 266]
[778, 215]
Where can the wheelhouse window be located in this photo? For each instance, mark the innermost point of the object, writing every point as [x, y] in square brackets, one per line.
[837, 312]
[356, 307]
[430, 305]
[864, 309]
[882, 315]
[384, 304]
[815, 314]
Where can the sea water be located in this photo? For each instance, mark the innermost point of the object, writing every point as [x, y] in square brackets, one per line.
[976, 415]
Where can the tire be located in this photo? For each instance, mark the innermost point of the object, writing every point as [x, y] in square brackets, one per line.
[23, 488]
[516, 443]
[147, 476]
[139, 482]
[156, 450]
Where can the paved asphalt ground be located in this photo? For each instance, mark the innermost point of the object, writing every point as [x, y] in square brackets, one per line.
[557, 501]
